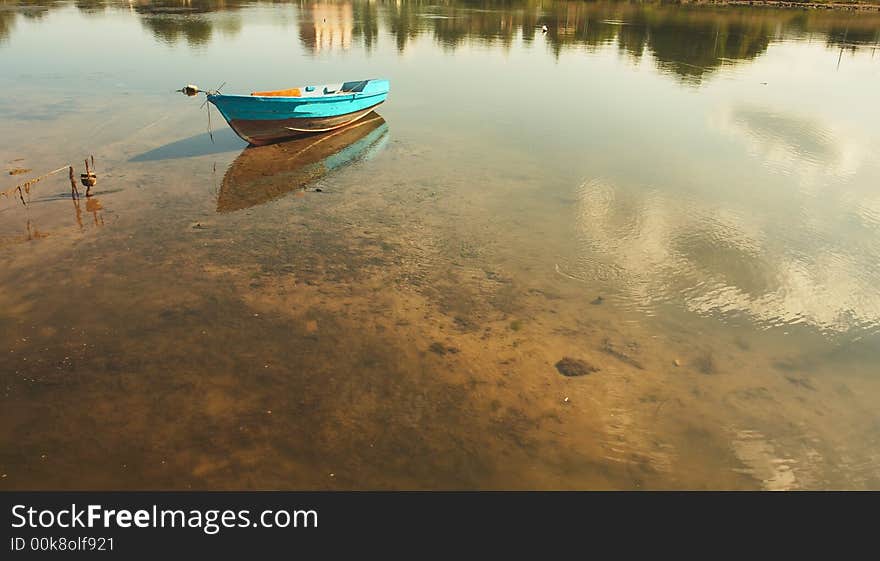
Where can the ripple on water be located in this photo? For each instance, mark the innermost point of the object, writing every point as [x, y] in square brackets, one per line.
[662, 248]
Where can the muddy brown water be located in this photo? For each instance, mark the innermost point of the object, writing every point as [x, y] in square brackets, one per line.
[682, 199]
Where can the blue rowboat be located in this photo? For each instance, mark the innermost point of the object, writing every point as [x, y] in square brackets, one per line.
[266, 117]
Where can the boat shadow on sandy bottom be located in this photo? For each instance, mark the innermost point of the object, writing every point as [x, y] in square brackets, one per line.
[225, 140]
[263, 173]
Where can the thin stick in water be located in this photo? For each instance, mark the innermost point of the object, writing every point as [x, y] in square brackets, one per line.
[74, 192]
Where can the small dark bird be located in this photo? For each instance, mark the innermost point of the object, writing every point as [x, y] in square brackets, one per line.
[543, 29]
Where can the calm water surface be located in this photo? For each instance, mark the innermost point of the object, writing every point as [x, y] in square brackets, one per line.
[685, 198]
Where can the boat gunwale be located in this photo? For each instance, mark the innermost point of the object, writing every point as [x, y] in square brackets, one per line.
[335, 96]
[300, 99]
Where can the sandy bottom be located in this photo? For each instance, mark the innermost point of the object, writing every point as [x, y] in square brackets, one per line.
[385, 333]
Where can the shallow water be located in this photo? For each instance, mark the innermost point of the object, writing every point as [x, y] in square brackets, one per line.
[684, 198]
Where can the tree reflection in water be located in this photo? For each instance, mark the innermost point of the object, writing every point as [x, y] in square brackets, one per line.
[687, 42]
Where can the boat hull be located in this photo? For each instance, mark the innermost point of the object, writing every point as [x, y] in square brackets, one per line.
[268, 117]
[264, 131]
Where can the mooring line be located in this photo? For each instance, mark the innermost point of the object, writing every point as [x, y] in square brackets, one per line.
[26, 186]
[88, 180]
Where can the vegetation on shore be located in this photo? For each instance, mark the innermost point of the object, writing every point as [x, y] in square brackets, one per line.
[870, 5]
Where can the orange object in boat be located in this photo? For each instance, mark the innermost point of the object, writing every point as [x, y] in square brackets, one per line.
[293, 92]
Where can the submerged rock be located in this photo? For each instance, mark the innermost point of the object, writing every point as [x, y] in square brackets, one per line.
[574, 367]
[705, 363]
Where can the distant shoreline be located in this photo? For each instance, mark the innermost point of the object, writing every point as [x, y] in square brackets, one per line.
[803, 5]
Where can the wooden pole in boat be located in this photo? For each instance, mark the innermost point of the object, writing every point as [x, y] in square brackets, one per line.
[89, 178]
[91, 173]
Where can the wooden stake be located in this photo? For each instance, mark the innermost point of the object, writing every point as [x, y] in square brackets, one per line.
[74, 192]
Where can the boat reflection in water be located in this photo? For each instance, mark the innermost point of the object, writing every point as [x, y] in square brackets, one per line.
[263, 173]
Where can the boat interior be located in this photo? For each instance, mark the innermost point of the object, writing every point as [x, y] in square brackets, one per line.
[316, 91]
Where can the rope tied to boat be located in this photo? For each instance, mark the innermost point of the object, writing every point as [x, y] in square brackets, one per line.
[191, 90]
